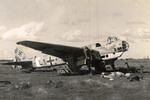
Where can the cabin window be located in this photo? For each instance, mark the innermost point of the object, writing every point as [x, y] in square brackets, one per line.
[103, 56]
[115, 49]
[98, 44]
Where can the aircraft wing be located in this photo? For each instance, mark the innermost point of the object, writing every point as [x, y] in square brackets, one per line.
[74, 56]
[52, 49]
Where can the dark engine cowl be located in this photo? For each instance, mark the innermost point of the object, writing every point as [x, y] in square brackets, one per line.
[125, 45]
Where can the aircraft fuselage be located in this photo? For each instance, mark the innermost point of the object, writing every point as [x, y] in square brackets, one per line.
[112, 50]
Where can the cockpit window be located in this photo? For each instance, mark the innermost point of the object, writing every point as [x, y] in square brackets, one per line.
[98, 44]
[111, 39]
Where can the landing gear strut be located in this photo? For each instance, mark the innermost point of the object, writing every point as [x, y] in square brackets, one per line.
[99, 67]
[113, 66]
[88, 57]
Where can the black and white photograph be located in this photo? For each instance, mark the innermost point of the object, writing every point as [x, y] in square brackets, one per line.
[74, 49]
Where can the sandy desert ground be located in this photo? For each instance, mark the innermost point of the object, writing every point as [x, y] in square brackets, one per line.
[16, 85]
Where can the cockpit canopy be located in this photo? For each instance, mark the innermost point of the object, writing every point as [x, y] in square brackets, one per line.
[97, 45]
[111, 39]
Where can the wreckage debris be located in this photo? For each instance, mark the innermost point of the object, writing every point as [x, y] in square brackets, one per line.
[127, 74]
[136, 74]
[135, 77]
[112, 75]
[131, 76]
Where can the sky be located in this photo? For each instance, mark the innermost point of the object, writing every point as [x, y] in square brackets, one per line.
[75, 23]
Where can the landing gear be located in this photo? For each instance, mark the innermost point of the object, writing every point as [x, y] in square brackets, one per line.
[88, 62]
[99, 67]
[93, 59]
[88, 57]
[113, 66]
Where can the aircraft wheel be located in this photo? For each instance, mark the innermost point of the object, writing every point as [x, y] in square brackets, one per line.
[98, 70]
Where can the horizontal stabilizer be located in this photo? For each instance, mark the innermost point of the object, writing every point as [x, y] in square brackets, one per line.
[16, 63]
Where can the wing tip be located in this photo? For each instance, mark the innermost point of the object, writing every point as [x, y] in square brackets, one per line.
[21, 42]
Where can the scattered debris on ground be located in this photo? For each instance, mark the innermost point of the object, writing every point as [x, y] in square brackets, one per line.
[135, 77]
[127, 75]
[131, 76]
[112, 75]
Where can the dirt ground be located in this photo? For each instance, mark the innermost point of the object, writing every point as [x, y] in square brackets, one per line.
[50, 86]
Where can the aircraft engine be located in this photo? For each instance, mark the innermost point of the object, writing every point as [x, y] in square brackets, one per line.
[125, 46]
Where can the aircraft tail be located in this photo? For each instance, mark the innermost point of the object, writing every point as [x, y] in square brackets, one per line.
[20, 55]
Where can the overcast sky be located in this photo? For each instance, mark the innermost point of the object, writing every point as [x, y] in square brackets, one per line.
[75, 22]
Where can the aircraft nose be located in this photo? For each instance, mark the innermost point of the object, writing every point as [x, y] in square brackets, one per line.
[125, 45]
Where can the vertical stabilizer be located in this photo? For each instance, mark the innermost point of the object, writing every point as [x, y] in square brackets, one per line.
[20, 55]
